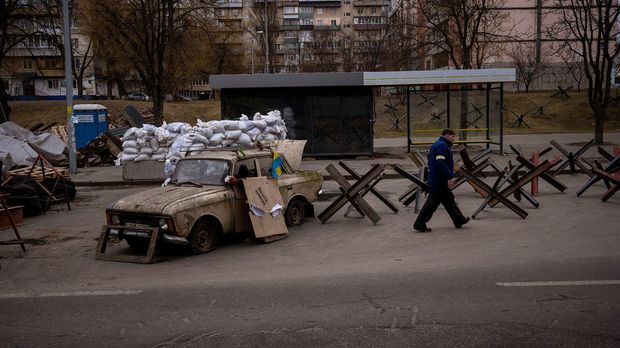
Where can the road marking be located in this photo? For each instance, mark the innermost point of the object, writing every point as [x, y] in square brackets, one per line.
[563, 283]
[74, 293]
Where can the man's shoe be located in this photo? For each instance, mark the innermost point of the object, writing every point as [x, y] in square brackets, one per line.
[421, 229]
[459, 225]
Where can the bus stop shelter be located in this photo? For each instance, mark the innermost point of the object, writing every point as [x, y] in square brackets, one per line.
[335, 112]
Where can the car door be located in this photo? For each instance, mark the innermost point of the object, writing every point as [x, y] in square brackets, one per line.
[242, 217]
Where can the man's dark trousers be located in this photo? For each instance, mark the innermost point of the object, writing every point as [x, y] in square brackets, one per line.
[441, 195]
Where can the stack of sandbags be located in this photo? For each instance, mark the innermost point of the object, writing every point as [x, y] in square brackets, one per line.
[141, 144]
[177, 140]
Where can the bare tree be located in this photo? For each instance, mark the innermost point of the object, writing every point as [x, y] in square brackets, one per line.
[588, 29]
[265, 11]
[527, 66]
[19, 22]
[401, 44]
[322, 53]
[456, 29]
[155, 34]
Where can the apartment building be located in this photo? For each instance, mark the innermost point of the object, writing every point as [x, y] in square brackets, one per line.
[309, 35]
[34, 68]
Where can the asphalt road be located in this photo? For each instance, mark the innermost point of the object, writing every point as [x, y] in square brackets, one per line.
[552, 279]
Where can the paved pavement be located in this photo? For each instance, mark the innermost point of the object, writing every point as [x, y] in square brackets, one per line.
[391, 151]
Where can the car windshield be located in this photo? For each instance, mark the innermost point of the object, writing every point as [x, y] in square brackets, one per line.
[201, 172]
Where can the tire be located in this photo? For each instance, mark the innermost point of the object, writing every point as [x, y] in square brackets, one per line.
[32, 204]
[24, 189]
[204, 237]
[295, 213]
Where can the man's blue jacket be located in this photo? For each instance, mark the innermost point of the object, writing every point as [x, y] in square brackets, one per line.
[440, 164]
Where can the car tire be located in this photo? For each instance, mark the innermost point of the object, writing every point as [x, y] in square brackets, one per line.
[295, 213]
[32, 204]
[204, 237]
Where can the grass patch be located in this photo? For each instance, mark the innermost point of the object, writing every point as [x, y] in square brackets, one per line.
[560, 115]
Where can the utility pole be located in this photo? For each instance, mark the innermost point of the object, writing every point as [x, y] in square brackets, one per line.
[266, 40]
[69, 86]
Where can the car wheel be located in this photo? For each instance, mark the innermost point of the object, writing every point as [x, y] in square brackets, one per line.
[204, 238]
[295, 213]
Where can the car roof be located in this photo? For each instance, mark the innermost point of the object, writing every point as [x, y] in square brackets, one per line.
[230, 155]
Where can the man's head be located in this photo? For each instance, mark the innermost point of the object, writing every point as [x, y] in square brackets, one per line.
[448, 134]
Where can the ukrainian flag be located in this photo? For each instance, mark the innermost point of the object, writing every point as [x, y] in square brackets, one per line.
[276, 166]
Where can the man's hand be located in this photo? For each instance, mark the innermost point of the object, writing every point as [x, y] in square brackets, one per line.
[451, 183]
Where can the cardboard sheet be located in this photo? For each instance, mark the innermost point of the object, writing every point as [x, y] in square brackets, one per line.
[266, 207]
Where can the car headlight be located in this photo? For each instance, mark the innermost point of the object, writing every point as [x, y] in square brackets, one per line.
[163, 224]
[115, 219]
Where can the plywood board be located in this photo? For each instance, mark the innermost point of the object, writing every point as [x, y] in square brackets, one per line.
[263, 195]
[292, 150]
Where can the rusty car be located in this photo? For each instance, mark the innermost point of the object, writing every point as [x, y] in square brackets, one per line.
[199, 205]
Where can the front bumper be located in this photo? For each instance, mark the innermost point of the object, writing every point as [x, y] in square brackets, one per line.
[121, 232]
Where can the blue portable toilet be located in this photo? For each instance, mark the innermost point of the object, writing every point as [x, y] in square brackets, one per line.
[92, 120]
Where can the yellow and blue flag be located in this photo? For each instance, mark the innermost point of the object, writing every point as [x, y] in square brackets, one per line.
[276, 166]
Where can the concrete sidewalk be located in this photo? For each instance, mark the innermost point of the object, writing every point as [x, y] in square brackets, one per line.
[390, 151]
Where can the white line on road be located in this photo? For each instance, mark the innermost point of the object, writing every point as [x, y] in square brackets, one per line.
[74, 293]
[563, 283]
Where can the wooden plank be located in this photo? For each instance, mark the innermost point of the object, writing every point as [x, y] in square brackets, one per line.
[370, 188]
[355, 198]
[515, 208]
[535, 172]
[545, 176]
[263, 195]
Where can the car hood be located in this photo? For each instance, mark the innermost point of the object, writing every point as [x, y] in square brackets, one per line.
[156, 200]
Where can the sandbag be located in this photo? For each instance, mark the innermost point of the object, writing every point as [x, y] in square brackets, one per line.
[142, 157]
[130, 150]
[233, 134]
[146, 150]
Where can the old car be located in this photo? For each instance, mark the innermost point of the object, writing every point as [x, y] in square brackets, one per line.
[205, 200]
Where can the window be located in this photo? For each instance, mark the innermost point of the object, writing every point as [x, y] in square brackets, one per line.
[78, 63]
[333, 22]
[319, 22]
[75, 43]
[235, 12]
[373, 10]
[249, 171]
[51, 63]
[220, 13]
[52, 84]
[360, 11]
[347, 14]
[28, 64]
[24, 24]
[319, 11]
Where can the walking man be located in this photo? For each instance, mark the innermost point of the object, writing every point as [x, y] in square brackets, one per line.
[441, 172]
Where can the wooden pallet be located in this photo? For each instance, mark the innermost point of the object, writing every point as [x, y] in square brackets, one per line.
[61, 132]
[37, 173]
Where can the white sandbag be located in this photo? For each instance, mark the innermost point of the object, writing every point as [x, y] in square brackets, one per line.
[260, 124]
[231, 125]
[130, 150]
[269, 130]
[159, 157]
[146, 150]
[274, 113]
[130, 132]
[206, 132]
[154, 144]
[177, 144]
[142, 157]
[130, 143]
[216, 139]
[245, 141]
[161, 134]
[149, 128]
[257, 116]
[253, 133]
[233, 134]
[174, 154]
[179, 127]
[128, 157]
[246, 125]
[243, 118]
[161, 150]
[197, 147]
[128, 138]
[270, 120]
[216, 126]
[269, 138]
[198, 138]
[228, 142]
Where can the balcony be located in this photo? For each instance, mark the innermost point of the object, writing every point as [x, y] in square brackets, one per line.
[373, 3]
[327, 27]
[322, 3]
[306, 27]
[291, 40]
[229, 4]
[290, 15]
[290, 27]
[368, 26]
